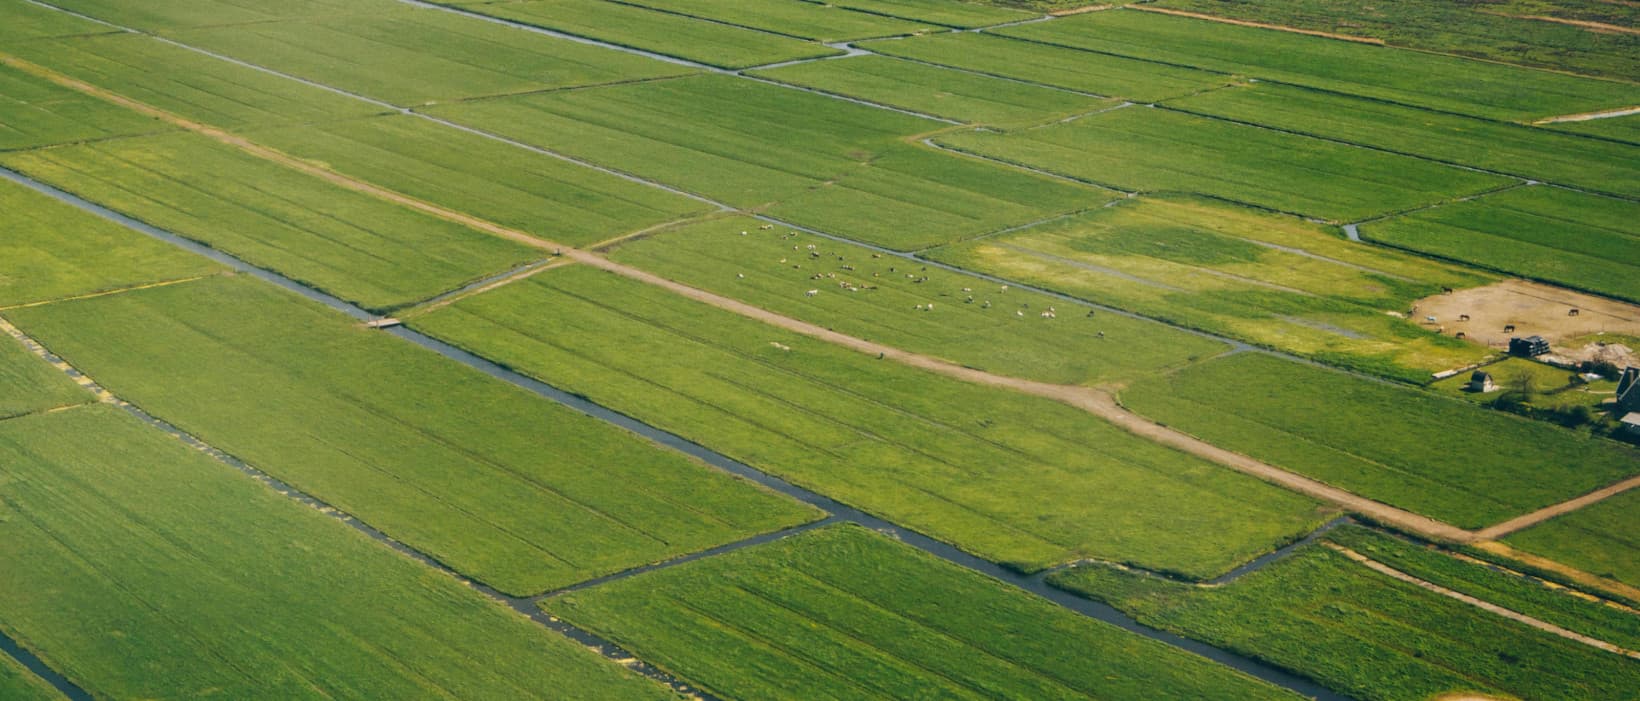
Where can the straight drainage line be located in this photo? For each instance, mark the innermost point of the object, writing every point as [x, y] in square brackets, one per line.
[33, 664]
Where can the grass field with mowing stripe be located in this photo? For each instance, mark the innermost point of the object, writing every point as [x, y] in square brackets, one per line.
[1600, 538]
[28, 384]
[141, 568]
[512, 489]
[1621, 128]
[962, 15]
[36, 112]
[843, 612]
[19, 684]
[173, 14]
[21, 20]
[797, 18]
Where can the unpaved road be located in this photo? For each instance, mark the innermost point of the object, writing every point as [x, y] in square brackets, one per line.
[1518, 523]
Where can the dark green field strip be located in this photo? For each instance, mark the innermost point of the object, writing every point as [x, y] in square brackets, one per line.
[36, 112]
[187, 83]
[944, 92]
[797, 18]
[691, 39]
[843, 612]
[364, 250]
[1478, 88]
[888, 297]
[21, 20]
[510, 489]
[1450, 460]
[1570, 238]
[1602, 538]
[532, 192]
[141, 568]
[412, 56]
[816, 161]
[1013, 478]
[1113, 76]
[1364, 634]
[1138, 148]
[1620, 128]
[19, 684]
[1518, 150]
[28, 384]
[963, 15]
[53, 250]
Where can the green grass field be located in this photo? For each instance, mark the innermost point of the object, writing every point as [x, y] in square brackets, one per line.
[1458, 463]
[1620, 128]
[20, 684]
[54, 250]
[1600, 538]
[944, 92]
[1529, 152]
[158, 16]
[551, 198]
[1568, 238]
[140, 568]
[985, 328]
[509, 488]
[1364, 634]
[963, 15]
[1465, 86]
[29, 385]
[846, 613]
[1153, 150]
[795, 18]
[1552, 385]
[1272, 280]
[1017, 479]
[36, 112]
[21, 20]
[362, 249]
[1111, 76]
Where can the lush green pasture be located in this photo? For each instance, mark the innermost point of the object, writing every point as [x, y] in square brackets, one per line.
[1018, 479]
[843, 612]
[176, 14]
[674, 35]
[1603, 538]
[1364, 634]
[962, 15]
[1551, 386]
[1114, 76]
[1138, 148]
[1620, 128]
[188, 83]
[1272, 280]
[51, 249]
[28, 384]
[796, 18]
[36, 112]
[19, 684]
[512, 489]
[377, 254]
[1529, 152]
[1449, 460]
[140, 568]
[829, 164]
[412, 56]
[1568, 238]
[546, 196]
[944, 92]
[886, 301]
[21, 20]
[1465, 86]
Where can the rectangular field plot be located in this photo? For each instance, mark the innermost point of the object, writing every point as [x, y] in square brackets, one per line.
[943, 92]
[1162, 150]
[552, 198]
[1578, 240]
[1523, 151]
[28, 384]
[1602, 538]
[1268, 279]
[1100, 74]
[1018, 479]
[512, 489]
[1465, 86]
[19, 684]
[1625, 129]
[691, 39]
[1364, 634]
[21, 20]
[1397, 445]
[177, 14]
[413, 56]
[796, 18]
[141, 568]
[843, 612]
[962, 15]
[907, 305]
[37, 112]
[362, 249]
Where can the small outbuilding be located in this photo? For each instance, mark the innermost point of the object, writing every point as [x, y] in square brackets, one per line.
[1628, 390]
[1481, 382]
[1528, 347]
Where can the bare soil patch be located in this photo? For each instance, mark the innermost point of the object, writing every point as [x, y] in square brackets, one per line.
[1531, 308]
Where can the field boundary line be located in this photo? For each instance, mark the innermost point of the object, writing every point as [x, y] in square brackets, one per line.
[105, 293]
[1590, 116]
[1525, 521]
[1594, 581]
[522, 272]
[1375, 41]
[1487, 606]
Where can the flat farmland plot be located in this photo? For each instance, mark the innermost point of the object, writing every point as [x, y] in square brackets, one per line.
[797, 18]
[962, 15]
[1112, 76]
[1518, 150]
[141, 568]
[53, 250]
[1569, 238]
[362, 249]
[546, 196]
[28, 384]
[1161, 150]
[22, 20]
[1014, 478]
[20, 684]
[1602, 538]
[36, 112]
[1620, 128]
[901, 303]
[512, 489]
[944, 92]
[176, 14]
[843, 612]
[1394, 444]
[1465, 86]
[413, 56]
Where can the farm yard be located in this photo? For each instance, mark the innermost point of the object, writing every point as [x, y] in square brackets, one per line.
[853, 349]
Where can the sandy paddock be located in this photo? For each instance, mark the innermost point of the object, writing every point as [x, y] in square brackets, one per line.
[1532, 308]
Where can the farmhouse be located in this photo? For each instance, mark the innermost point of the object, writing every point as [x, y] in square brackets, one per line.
[1482, 382]
[1528, 347]
[1628, 390]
